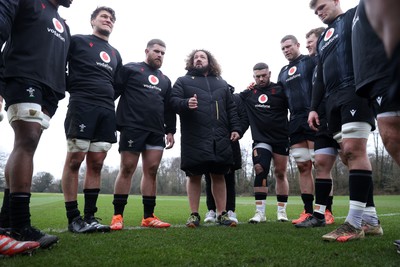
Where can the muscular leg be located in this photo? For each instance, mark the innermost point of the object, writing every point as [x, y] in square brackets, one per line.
[92, 182]
[94, 164]
[69, 180]
[389, 129]
[150, 161]
[306, 180]
[219, 191]
[19, 169]
[193, 187]
[282, 185]
[122, 186]
[360, 177]
[69, 183]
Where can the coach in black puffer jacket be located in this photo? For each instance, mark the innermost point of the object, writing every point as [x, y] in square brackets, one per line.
[206, 130]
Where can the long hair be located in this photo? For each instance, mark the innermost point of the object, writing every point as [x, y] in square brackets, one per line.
[213, 67]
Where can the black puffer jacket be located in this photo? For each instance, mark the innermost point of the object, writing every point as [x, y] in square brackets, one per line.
[205, 132]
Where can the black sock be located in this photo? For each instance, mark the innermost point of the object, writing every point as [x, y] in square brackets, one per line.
[5, 210]
[119, 203]
[322, 189]
[329, 204]
[360, 182]
[72, 210]
[20, 216]
[282, 198]
[260, 196]
[91, 196]
[308, 202]
[149, 202]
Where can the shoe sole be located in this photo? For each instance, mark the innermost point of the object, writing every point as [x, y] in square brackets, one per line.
[192, 225]
[49, 246]
[309, 226]
[87, 231]
[255, 222]
[374, 232]
[103, 230]
[155, 227]
[397, 246]
[343, 239]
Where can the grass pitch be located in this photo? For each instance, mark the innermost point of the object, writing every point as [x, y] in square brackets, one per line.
[268, 244]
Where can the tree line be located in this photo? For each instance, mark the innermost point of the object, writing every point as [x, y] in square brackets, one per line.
[172, 181]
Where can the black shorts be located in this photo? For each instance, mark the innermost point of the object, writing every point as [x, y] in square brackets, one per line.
[280, 148]
[208, 167]
[344, 106]
[29, 91]
[323, 138]
[300, 131]
[381, 98]
[138, 140]
[90, 122]
[324, 141]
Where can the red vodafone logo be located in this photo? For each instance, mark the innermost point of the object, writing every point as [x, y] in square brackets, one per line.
[329, 34]
[153, 80]
[292, 70]
[263, 98]
[58, 25]
[105, 57]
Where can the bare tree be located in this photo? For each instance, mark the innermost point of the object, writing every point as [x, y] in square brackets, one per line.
[42, 181]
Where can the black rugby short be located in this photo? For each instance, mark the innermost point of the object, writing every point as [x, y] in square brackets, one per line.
[344, 106]
[300, 131]
[137, 140]
[29, 91]
[90, 122]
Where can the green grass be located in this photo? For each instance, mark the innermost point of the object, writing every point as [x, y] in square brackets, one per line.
[267, 244]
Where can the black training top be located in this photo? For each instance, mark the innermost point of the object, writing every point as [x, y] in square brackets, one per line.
[369, 57]
[37, 42]
[267, 111]
[335, 54]
[144, 101]
[296, 79]
[92, 64]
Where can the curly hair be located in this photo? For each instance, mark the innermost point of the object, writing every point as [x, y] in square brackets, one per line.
[213, 66]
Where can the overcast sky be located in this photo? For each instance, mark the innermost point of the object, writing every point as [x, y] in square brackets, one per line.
[238, 33]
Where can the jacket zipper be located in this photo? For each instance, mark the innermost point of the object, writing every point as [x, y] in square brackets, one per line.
[216, 109]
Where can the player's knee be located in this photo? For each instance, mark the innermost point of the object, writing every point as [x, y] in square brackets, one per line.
[96, 166]
[258, 169]
[280, 174]
[261, 176]
[78, 145]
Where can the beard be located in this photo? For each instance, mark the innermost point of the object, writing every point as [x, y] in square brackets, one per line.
[201, 69]
[64, 3]
[104, 32]
[155, 64]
